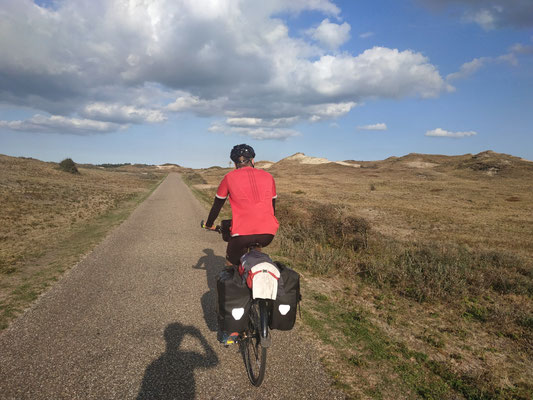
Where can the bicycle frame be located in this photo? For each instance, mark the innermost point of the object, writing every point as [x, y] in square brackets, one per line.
[256, 339]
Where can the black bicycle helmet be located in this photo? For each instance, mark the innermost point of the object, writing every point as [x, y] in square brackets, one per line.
[242, 150]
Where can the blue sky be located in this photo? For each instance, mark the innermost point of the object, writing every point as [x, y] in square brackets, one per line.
[183, 81]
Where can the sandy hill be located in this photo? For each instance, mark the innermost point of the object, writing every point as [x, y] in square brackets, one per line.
[168, 166]
[264, 164]
[301, 158]
[487, 162]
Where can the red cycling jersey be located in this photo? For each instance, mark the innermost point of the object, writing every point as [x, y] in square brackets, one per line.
[250, 193]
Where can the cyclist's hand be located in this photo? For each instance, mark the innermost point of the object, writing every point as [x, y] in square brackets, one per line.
[211, 228]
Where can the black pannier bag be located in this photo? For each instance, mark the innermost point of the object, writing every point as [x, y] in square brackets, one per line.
[233, 301]
[283, 315]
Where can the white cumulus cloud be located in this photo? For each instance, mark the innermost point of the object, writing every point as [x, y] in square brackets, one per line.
[366, 35]
[60, 124]
[330, 34]
[256, 132]
[247, 122]
[485, 18]
[122, 113]
[468, 68]
[522, 49]
[377, 72]
[330, 111]
[136, 62]
[186, 102]
[443, 133]
[489, 14]
[373, 127]
[511, 57]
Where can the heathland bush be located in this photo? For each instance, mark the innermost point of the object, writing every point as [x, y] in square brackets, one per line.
[193, 178]
[325, 238]
[484, 286]
[434, 271]
[68, 165]
[326, 224]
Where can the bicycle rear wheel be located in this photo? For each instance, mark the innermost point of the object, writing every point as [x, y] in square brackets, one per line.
[253, 352]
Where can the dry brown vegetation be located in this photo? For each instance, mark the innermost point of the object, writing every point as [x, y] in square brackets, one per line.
[49, 218]
[419, 270]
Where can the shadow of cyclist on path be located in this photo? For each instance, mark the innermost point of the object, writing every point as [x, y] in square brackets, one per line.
[213, 265]
[171, 376]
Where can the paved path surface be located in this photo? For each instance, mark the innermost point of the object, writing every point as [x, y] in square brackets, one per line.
[135, 320]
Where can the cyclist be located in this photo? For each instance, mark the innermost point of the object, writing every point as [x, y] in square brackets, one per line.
[252, 196]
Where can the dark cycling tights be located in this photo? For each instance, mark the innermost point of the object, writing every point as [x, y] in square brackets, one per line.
[237, 245]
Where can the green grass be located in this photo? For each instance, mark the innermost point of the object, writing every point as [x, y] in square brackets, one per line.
[350, 331]
[402, 370]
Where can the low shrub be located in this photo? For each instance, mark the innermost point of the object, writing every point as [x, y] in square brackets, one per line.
[327, 225]
[193, 178]
[325, 238]
[68, 165]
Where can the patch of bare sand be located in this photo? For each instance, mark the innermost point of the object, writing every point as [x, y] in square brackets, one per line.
[303, 159]
[348, 164]
[420, 164]
[263, 164]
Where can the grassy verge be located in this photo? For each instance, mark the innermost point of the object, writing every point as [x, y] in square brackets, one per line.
[368, 363]
[197, 184]
[193, 179]
[22, 285]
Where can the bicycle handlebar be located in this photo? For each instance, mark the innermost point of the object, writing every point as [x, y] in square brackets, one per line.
[215, 228]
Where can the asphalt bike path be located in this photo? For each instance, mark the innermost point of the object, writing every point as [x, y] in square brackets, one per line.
[135, 319]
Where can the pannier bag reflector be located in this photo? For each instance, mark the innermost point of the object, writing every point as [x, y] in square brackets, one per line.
[284, 309]
[237, 313]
